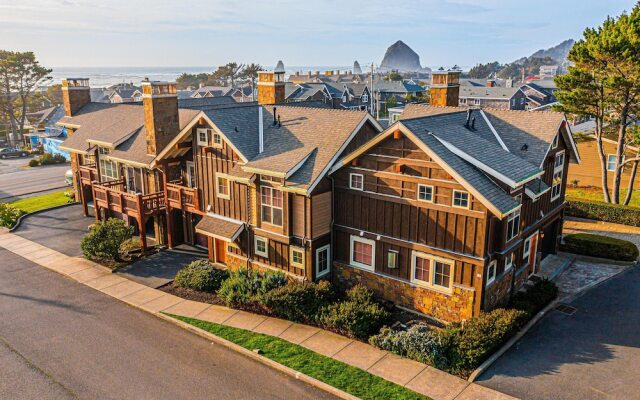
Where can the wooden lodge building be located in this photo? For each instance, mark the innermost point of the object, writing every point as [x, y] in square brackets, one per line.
[447, 212]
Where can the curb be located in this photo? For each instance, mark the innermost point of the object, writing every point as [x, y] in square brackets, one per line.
[495, 356]
[257, 357]
[19, 221]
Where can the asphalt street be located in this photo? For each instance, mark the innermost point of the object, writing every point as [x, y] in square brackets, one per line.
[62, 340]
[17, 182]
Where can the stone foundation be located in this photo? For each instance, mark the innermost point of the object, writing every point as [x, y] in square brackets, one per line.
[499, 293]
[454, 307]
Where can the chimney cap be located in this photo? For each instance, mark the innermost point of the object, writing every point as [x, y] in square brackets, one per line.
[279, 68]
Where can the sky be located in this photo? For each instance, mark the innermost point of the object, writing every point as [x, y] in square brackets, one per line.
[142, 33]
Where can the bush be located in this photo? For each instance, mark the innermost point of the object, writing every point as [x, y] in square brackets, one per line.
[34, 163]
[130, 248]
[9, 215]
[49, 159]
[536, 298]
[358, 315]
[600, 246]
[104, 239]
[245, 286]
[200, 275]
[300, 302]
[614, 213]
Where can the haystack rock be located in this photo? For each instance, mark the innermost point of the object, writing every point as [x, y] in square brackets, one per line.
[400, 57]
[356, 67]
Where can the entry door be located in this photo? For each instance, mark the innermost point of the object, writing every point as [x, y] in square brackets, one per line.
[221, 251]
[533, 250]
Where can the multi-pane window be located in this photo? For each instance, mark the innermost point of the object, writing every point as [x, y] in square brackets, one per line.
[441, 274]
[203, 137]
[513, 225]
[365, 98]
[362, 252]
[322, 261]
[460, 199]
[558, 170]
[422, 269]
[296, 257]
[108, 170]
[217, 140]
[611, 162]
[491, 272]
[508, 262]
[271, 205]
[356, 181]
[223, 187]
[432, 271]
[526, 248]
[261, 246]
[425, 193]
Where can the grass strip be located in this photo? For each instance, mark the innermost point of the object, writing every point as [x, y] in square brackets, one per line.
[37, 203]
[335, 373]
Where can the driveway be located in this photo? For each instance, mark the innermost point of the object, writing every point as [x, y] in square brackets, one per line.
[60, 229]
[62, 340]
[17, 182]
[592, 354]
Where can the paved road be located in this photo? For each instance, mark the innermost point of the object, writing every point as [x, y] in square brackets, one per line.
[16, 181]
[592, 354]
[62, 340]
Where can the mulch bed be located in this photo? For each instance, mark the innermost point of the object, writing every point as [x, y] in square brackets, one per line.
[190, 294]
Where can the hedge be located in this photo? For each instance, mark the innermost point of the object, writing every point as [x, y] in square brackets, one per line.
[600, 246]
[614, 213]
[200, 275]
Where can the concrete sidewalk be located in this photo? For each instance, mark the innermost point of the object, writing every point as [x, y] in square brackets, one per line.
[418, 377]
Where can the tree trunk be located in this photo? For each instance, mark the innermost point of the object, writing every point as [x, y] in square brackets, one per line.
[632, 178]
[617, 175]
[603, 161]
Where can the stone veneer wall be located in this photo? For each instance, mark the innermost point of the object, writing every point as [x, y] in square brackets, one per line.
[454, 307]
[499, 292]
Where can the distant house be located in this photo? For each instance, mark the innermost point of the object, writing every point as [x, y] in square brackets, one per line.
[125, 95]
[383, 90]
[353, 96]
[539, 94]
[239, 93]
[501, 98]
[548, 71]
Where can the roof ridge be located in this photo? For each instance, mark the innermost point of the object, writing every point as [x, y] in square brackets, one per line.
[315, 108]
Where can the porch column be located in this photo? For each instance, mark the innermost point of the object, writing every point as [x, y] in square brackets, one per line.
[170, 226]
[142, 232]
[83, 200]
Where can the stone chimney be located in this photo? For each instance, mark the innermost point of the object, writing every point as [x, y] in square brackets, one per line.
[445, 88]
[271, 85]
[160, 102]
[76, 94]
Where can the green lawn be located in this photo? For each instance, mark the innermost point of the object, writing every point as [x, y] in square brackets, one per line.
[594, 194]
[36, 203]
[335, 373]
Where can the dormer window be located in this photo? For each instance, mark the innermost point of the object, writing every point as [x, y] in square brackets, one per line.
[365, 98]
[203, 137]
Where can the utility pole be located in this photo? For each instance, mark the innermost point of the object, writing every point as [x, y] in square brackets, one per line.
[372, 93]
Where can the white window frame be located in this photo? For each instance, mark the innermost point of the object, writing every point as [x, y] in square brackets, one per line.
[213, 140]
[351, 176]
[453, 199]
[513, 233]
[557, 170]
[218, 193]
[113, 169]
[190, 165]
[264, 253]
[554, 144]
[493, 266]
[420, 185]
[319, 250]
[526, 248]
[508, 261]
[354, 263]
[365, 98]
[294, 249]
[432, 269]
[476, 102]
[395, 254]
[609, 162]
[199, 140]
[272, 206]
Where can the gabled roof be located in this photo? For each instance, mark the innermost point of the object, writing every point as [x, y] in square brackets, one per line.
[486, 92]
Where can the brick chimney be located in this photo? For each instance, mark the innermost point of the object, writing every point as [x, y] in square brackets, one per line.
[271, 85]
[491, 83]
[76, 94]
[160, 102]
[445, 88]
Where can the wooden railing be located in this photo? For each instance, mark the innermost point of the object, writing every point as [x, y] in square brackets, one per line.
[112, 195]
[88, 173]
[183, 197]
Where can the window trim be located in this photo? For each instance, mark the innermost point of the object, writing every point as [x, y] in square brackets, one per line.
[354, 263]
[453, 199]
[558, 169]
[256, 239]
[432, 267]
[204, 143]
[222, 195]
[510, 256]
[526, 248]
[420, 185]
[395, 254]
[319, 250]
[351, 175]
[512, 217]
[293, 249]
[609, 162]
[213, 140]
[262, 204]
[491, 279]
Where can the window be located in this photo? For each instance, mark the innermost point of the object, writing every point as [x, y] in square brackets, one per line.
[108, 170]
[476, 102]
[222, 185]
[363, 252]
[392, 259]
[261, 246]
[554, 144]
[491, 272]
[558, 170]
[513, 102]
[508, 262]
[460, 199]
[611, 162]
[344, 99]
[365, 98]
[425, 193]
[431, 271]
[323, 261]
[191, 174]
[513, 225]
[462, 101]
[296, 257]
[271, 205]
[356, 181]
[103, 151]
[203, 137]
[217, 140]
[526, 248]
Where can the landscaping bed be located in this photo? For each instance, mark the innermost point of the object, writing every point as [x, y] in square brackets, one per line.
[613, 213]
[190, 294]
[599, 246]
[11, 212]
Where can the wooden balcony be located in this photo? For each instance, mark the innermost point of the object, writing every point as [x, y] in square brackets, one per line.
[183, 197]
[113, 196]
[88, 174]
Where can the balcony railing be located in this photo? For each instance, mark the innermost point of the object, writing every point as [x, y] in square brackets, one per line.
[183, 197]
[112, 195]
[88, 173]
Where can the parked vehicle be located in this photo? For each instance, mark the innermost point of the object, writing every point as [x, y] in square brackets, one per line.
[68, 177]
[8, 152]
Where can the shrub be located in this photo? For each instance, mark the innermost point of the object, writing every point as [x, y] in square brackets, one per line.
[48, 159]
[200, 275]
[244, 286]
[536, 298]
[104, 239]
[299, 302]
[600, 246]
[130, 248]
[358, 315]
[419, 342]
[70, 194]
[9, 215]
[34, 163]
[614, 213]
